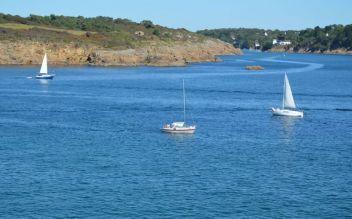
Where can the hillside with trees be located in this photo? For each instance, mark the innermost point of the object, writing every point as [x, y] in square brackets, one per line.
[105, 31]
[329, 39]
[102, 41]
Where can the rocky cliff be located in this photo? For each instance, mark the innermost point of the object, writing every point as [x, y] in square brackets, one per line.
[29, 52]
[164, 55]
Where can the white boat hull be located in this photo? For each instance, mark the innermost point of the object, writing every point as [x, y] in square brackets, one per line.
[286, 112]
[179, 130]
[44, 76]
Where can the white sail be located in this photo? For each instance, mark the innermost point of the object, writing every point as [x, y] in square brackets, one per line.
[44, 68]
[288, 101]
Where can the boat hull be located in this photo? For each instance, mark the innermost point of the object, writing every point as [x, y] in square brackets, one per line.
[286, 112]
[47, 77]
[183, 130]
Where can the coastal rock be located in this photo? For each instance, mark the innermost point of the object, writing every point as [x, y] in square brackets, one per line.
[341, 51]
[176, 54]
[254, 67]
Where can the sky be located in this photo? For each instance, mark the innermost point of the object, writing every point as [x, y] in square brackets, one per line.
[198, 14]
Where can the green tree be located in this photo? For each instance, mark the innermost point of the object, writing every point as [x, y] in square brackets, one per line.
[156, 32]
[267, 46]
[147, 24]
[245, 45]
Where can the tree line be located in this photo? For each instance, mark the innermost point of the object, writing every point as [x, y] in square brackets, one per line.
[98, 24]
[316, 39]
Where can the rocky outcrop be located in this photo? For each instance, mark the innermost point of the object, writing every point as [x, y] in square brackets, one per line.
[290, 50]
[335, 51]
[175, 54]
[254, 67]
[28, 52]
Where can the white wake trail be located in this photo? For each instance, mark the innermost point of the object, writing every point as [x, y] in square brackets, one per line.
[310, 66]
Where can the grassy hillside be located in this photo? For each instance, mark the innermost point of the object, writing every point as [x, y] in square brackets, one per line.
[102, 31]
[102, 41]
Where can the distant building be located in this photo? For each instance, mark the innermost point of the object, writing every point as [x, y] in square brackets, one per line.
[265, 34]
[256, 45]
[281, 42]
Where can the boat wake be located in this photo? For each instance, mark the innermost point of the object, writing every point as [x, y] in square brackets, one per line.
[238, 70]
[243, 60]
[310, 66]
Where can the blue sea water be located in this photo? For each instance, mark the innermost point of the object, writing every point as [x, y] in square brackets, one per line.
[87, 144]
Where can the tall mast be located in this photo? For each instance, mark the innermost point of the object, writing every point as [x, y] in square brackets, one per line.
[184, 101]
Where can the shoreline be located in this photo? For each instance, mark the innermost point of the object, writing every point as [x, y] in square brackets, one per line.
[332, 52]
[217, 59]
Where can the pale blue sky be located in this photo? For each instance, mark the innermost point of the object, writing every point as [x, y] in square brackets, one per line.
[198, 14]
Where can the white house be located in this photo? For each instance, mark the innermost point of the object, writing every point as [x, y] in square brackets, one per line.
[281, 42]
[256, 45]
[285, 43]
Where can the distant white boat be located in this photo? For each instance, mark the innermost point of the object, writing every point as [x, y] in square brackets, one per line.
[180, 127]
[288, 103]
[43, 74]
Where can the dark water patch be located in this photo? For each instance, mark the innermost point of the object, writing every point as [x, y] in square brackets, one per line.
[326, 109]
[344, 109]
[324, 95]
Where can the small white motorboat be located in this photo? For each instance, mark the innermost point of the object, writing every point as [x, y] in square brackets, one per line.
[180, 127]
[288, 103]
[43, 74]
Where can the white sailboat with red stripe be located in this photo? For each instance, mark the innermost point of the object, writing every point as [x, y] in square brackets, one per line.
[180, 127]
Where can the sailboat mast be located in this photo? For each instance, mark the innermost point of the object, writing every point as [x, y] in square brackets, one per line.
[283, 93]
[184, 101]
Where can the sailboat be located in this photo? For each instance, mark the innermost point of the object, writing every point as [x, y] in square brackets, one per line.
[180, 127]
[43, 74]
[288, 103]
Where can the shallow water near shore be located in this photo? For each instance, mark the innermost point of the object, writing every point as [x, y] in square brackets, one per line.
[88, 143]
